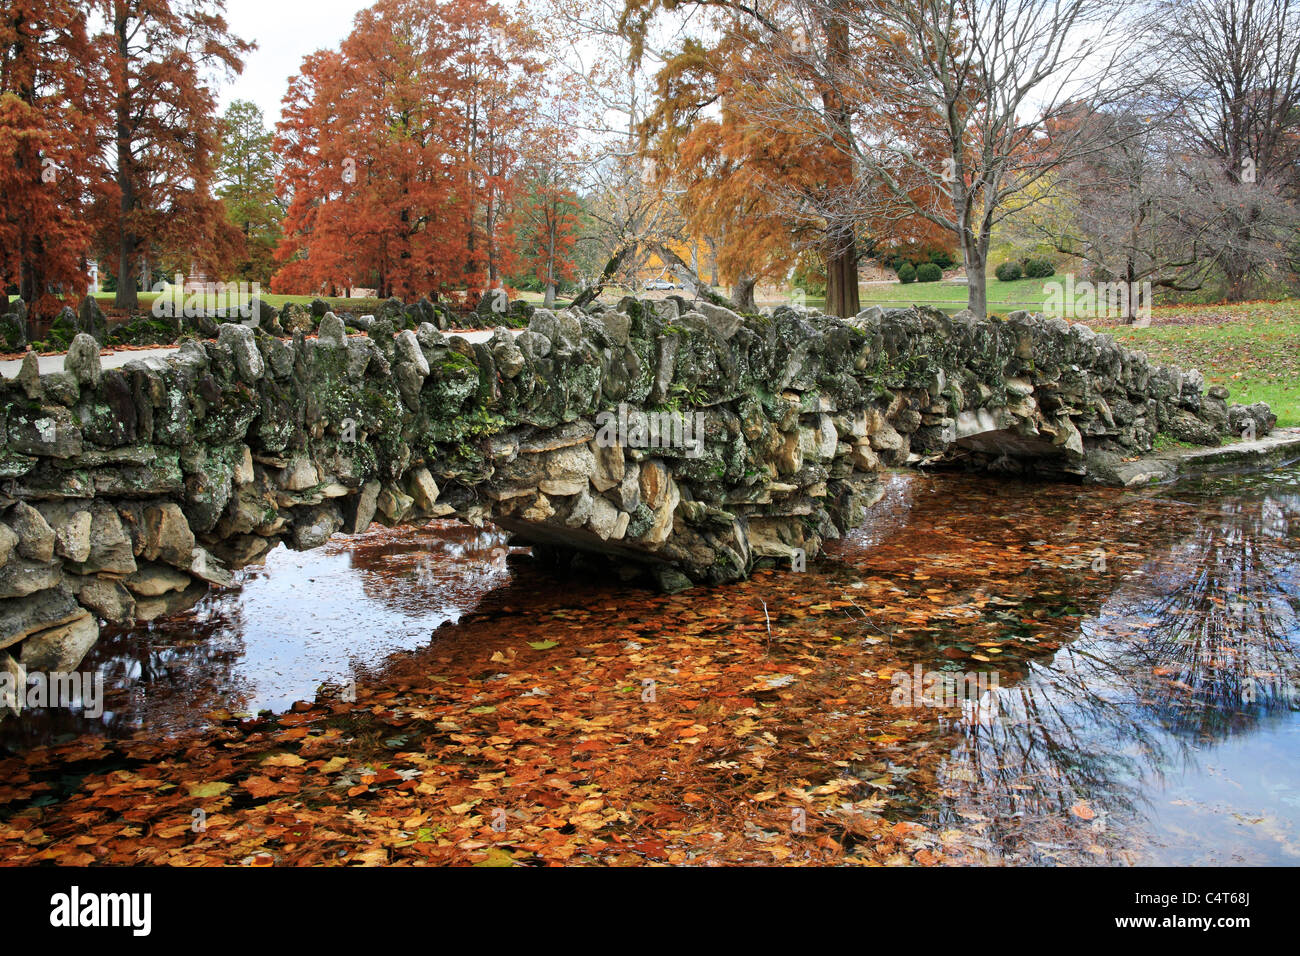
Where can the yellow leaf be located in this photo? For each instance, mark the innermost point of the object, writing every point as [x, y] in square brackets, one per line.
[283, 760]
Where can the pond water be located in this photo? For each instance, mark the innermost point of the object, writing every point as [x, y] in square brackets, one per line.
[300, 621]
[1140, 654]
[1166, 727]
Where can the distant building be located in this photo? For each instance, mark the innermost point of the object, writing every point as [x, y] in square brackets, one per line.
[197, 280]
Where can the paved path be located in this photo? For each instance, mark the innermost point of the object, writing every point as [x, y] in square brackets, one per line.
[54, 363]
[1279, 448]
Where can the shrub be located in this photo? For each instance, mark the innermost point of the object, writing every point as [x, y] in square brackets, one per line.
[943, 259]
[811, 278]
[1038, 269]
[1009, 272]
[928, 272]
[906, 273]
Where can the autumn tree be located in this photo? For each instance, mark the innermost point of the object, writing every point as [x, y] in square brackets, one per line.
[398, 150]
[983, 82]
[545, 216]
[630, 217]
[48, 159]
[159, 58]
[936, 108]
[545, 230]
[501, 82]
[763, 164]
[246, 186]
[1133, 212]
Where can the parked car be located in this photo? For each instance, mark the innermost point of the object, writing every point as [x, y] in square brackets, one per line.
[659, 285]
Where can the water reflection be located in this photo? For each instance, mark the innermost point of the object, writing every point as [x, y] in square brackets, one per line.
[1166, 730]
[300, 620]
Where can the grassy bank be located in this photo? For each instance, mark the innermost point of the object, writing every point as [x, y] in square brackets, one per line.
[1253, 349]
[1003, 297]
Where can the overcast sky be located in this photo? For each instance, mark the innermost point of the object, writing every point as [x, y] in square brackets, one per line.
[285, 31]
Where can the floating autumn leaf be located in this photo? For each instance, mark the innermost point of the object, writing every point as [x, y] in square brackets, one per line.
[283, 760]
[262, 787]
[213, 788]
[497, 857]
[543, 645]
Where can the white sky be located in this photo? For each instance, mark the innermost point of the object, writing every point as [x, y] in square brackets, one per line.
[285, 31]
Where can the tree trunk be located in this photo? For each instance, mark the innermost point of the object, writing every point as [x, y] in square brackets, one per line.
[548, 300]
[977, 299]
[975, 255]
[128, 242]
[673, 260]
[31, 282]
[126, 297]
[668, 257]
[742, 293]
[1235, 271]
[589, 296]
[842, 298]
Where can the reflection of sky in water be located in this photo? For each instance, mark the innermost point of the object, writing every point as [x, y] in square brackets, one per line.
[302, 620]
[1173, 717]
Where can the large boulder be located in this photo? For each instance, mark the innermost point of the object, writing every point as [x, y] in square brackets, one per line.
[58, 650]
[91, 320]
[13, 326]
[24, 616]
[296, 318]
[36, 539]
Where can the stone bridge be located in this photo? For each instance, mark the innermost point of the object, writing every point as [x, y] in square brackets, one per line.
[675, 438]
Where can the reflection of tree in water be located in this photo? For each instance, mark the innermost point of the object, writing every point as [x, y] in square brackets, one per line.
[168, 673]
[1218, 621]
[443, 564]
[1204, 640]
[1062, 735]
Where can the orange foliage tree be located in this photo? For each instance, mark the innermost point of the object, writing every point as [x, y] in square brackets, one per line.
[48, 123]
[756, 131]
[544, 219]
[157, 55]
[399, 149]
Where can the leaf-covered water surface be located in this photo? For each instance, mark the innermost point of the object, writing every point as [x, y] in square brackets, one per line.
[1132, 657]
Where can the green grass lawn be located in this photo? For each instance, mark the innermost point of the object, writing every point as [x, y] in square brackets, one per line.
[1253, 349]
[280, 301]
[1026, 294]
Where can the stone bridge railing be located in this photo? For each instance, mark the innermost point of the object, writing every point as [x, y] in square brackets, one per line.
[125, 493]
